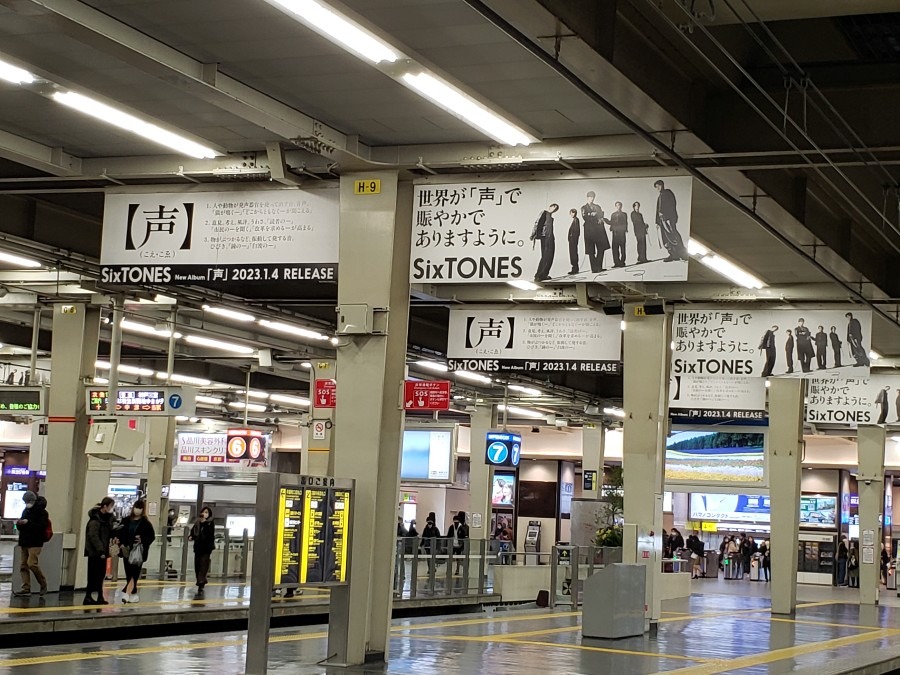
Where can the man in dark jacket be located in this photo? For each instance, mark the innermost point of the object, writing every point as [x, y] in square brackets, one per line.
[574, 236]
[789, 350]
[595, 240]
[667, 221]
[821, 349]
[836, 345]
[618, 226]
[543, 232]
[32, 527]
[855, 339]
[639, 228]
[96, 549]
[767, 345]
[804, 346]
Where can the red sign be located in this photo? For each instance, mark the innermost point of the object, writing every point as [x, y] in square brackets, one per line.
[426, 395]
[326, 394]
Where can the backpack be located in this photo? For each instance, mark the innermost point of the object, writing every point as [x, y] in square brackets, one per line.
[48, 531]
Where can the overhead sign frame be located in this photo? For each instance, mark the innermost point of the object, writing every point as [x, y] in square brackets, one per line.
[143, 401]
[23, 401]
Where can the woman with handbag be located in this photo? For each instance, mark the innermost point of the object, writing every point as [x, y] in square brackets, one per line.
[134, 536]
[203, 534]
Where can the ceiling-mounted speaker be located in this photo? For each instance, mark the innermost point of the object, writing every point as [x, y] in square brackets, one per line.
[655, 307]
[613, 308]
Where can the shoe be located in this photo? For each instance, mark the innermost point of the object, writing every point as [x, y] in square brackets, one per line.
[24, 593]
[101, 601]
[43, 591]
[89, 601]
[573, 271]
[134, 598]
[126, 598]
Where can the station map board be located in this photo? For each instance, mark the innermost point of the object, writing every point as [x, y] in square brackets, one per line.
[312, 535]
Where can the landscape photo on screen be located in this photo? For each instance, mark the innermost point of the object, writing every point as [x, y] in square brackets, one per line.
[715, 457]
[426, 455]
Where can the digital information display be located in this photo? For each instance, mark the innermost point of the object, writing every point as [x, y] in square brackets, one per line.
[159, 401]
[312, 539]
[21, 400]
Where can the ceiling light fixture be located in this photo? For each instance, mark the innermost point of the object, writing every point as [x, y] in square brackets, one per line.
[615, 412]
[218, 344]
[292, 330]
[123, 120]
[290, 400]
[528, 391]
[18, 260]
[521, 412]
[252, 407]
[124, 369]
[209, 400]
[144, 329]
[431, 365]
[232, 314]
[14, 74]
[474, 377]
[466, 108]
[184, 379]
[524, 284]
[723, 266]
[339, 29]
[306, 364]
[254, 394]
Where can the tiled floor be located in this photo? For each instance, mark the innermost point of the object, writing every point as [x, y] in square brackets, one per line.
[725, 627]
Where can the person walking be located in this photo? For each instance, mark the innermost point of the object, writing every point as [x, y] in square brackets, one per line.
[836, 345]
[667, 222]
[430, 535]
[766, 562]
[134, 535]
[203, 534]
[734, 556]
[574, 236]
[853, 567]
[767, 345]
[32, 527]
[595, 240]
[618, 227]
[821, 349]
[639, 228]
[789, 350]
[543, 232]
[97, 537]
[842, 554]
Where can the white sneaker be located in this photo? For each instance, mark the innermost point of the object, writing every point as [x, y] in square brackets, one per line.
[126, 598]
[134, 598]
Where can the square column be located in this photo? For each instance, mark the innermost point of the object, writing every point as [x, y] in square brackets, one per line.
[786, 398]
[870, 483]
[374, 276]
[646, 400]
[161, 456]
[481, 474]
[593, 448]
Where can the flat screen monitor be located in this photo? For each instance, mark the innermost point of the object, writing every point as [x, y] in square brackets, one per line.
[237, 524]
[716, 457]
[818, 511]
[667, 502]
[427, 455]
[183, 492]
[503, 492]
[754, 509]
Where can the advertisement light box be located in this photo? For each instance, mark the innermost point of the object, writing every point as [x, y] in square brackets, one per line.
[716, 458]
[427, 455]
[503, 448]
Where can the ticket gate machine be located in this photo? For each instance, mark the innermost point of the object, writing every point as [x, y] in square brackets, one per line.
[533, 542]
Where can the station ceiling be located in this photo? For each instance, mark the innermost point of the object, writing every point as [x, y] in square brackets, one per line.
[781, 111]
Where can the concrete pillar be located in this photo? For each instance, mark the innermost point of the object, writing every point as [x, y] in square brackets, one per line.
[785, 456]
[646, 381]
[161, 455]
[76, 333]
[593, 448]
[870, 482]
[374, 272]
[481, 474]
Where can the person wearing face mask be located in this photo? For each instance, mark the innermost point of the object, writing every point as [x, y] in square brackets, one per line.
[203, 534]
[134, 533]
[97, 535]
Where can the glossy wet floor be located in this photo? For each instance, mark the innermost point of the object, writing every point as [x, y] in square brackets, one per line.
[703, 634]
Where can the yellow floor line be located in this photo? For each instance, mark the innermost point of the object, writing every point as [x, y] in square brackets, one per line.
[178, 603]
[496, 617]
[627, 652]
[782, 654]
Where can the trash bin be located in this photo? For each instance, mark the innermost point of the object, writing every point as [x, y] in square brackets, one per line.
[711, 565]
[613, 602]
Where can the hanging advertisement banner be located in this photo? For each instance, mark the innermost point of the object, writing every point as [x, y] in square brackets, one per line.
[777, 342]
[854, 400]
[552, 231]
[245, 447]
[220, 237]
[717, 400]
[534, 340]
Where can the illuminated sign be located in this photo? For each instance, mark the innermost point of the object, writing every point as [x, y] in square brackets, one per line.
[238, 446]
[22, 401]
[503, 449]
[144, 401]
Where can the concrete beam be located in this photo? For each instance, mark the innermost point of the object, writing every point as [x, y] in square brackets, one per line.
[54, 161]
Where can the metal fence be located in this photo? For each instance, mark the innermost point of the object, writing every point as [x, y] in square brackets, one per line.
[435, 567]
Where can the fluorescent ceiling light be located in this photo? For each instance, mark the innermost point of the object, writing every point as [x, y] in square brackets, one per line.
[209, 400]
[339, 29]
[723, 266]
[18, 260]
[254, 394]
[292, 330]
[521, 412]
[14, 74]
[615, 412]
[184, 379]
[290, 400]
[466, 108]
[524, 284]
[100, 380]
[124, 368]
[306, 364]
[232, 314]
[145, 329]
[622, 325]
[528, 391]
[128, 122]
[218, 344]
[474, 377]
[431, 365]
[252, 407]
[875, 356]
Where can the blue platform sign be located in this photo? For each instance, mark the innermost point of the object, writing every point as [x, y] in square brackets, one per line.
[503, 449]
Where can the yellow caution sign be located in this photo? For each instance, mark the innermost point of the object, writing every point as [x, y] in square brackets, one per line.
[367, 186]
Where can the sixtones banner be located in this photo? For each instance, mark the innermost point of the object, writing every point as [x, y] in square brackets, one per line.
[787, 343]
[562, 231]
[717, 399]
[854, 400]
[221, 237]
[539, 340]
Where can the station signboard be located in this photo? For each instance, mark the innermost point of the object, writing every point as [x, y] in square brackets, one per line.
[244, 447]
[144, 401]
[852, 401]
[325, 393]
[426, 395]
[503, 448]
[225, 238]
[717, 400]
[536, 341]
[22, 401]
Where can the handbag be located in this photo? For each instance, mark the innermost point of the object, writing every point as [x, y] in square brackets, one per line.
[114, 550]
[136, 557]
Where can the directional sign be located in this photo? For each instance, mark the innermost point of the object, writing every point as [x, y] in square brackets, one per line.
[426, 395]
[325, 394]
[503, 448]
[145, 401]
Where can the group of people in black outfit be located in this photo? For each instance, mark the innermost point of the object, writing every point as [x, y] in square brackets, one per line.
[593, 224]
[809, 346]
